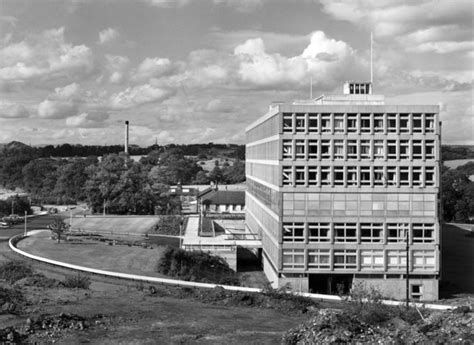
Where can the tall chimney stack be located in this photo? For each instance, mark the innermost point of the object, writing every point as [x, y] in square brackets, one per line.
[126, 136]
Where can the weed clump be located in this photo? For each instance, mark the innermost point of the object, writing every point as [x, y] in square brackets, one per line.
[13, 271]
[78, 281]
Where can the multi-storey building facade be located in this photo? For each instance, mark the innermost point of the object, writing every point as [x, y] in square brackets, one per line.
[336, 186]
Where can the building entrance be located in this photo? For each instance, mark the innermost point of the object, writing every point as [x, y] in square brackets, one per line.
[331, 284]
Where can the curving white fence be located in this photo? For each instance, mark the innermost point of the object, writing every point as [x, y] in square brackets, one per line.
[17, 238]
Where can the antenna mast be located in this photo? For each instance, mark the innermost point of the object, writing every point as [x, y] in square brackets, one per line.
[371, 55]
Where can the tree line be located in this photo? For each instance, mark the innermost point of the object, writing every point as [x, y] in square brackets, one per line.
[115, 182]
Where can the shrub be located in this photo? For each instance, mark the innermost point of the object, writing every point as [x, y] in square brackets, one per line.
[365, 303]
[79, 281]
[196, 266]
[13, 271]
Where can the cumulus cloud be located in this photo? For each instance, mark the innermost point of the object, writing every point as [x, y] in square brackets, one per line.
[142, 94]
[323, 58]
[108, 35]
[46, 55]
[9, 110]
[87, 120]
[419, 26]
[63, 102]
[116, 66]
[153, 68]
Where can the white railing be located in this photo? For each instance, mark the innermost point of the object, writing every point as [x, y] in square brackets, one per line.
[175, 282]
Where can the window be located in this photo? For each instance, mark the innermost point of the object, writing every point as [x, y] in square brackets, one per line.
[318, 232]
[365, 149]
[325, 176]
[371, 259]
[429, 149]
[392, 176]
[325, 149]
[365, 123]
[345, 259]
[392, 123]
[313, 123]
[318, 258]
[352, 176]
[287, 176]
[364, 176]
[429, 123]
[397, 232]
[338, 149]
[404, 176]
[379, 152]
[351, 123]
[345, 232]
[396, 260]
[339, 176]
[325, 123]
[404, 148]
[371, 232]
[379, 179]
[417, 149]
[287, 123]
[416, 292]
[391, 149]
[300, 176]
[300, 149]
[416, 123]
[423, 259]
[352, 149]
[429, 176]
[338, 123]
[287, 149]
[404, 123]
[423, 233]
[312, 176]
[293, 258]
[378, 123]
[416, 177]
[312, 149]
[300, 123]
[293, 232]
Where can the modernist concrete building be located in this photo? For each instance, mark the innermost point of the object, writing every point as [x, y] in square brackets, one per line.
[337, 185]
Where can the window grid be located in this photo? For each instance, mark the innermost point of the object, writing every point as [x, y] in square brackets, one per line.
[293, 258]
[351, 149]
[363, 123]
[359, 176]
[372, 259]
[396, 260]
[397, 232]
[319, 232]
[371, 232]
[423, 233]
[423, 259]
[293, 232]
[345, 232]
[345, 259]
[319, 259]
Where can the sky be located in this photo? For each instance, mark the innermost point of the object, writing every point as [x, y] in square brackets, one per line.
[184, 71]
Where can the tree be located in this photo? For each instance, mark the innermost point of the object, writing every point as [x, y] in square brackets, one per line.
[457, 196]
[58, 227]
[235, 173]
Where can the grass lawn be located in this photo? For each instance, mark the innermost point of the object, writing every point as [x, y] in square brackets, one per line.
[116, 224]
[94, 254]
